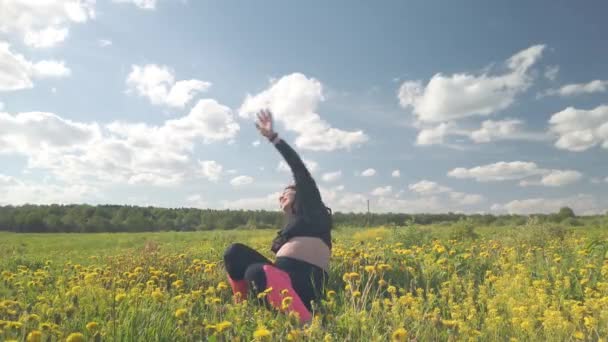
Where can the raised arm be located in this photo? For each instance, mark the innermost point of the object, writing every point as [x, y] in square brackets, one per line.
[307, 192]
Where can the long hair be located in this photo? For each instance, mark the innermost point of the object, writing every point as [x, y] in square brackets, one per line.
[294, 206]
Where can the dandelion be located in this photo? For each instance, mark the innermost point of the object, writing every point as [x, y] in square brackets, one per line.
[158, 296]
[75, 337]
[356, 294]
[221, 286]
[399, 335]
[34, 336]
[331, 294]
[180, 313]
[286, 303]
[579, 335]
[92, 326]
[120, 297]
[261, 333]
[220, 327]
[370, 269]
[391, 289]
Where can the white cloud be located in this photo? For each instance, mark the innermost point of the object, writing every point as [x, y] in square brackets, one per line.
[595, 86]
[104, 42]
[143, 4]
[120, 153]
[17, 73]
[43, 23]
[211, 170]
[197, 201]
[50, 69]
[1, 106]
[382, 191]
[268, 202]
[311, 165]
[45, 38]
[580, 129]
[551, 72]
[241, 180]
[560, 178]
[432, 136]
[17, 192]
[425, 187]
[208, 120]
[527, 172]
[368, 173]
[581, 204]
[294, 99]
[158, 84]
[466, 199]
[462, 95]
[385, 201]
[331, 176]
[509, 129]
[396, 174]
[499, 171]
[256, 143]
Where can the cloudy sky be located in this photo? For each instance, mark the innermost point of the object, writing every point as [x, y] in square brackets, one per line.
[418, 106]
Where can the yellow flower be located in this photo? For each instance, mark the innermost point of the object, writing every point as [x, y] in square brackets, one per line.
[222, 326]
[399, 335]
[384, 267]
[357, 294]
[293, 335]
[157, 295]
[331, 294]
[286, 302]
[391, 289]
[75, 337]
[120, 297]
[382, 283]
[45, 326]
[261, 333]
[370, 268]
[221, 286]
[579, 335]
[34, 336]
[33, 318]
[92, 326]
[180, 313]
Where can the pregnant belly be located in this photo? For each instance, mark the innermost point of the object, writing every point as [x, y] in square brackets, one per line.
[309, 249]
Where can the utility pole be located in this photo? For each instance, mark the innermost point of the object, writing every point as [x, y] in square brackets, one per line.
[367, 213]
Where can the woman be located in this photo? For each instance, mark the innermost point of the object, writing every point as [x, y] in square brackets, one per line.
[302, 247]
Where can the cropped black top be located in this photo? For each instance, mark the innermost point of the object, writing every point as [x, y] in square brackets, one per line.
[311, 217]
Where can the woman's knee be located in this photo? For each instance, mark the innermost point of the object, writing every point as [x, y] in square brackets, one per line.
[233, 251]
[255, 275]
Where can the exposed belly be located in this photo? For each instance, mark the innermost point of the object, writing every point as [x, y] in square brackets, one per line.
[309, 249]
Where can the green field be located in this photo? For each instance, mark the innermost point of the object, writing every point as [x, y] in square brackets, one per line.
[453, 282]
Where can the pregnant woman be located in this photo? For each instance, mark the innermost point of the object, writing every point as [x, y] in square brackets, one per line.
[302, 247]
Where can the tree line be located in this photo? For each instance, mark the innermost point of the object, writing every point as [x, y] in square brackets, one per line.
[122, 218]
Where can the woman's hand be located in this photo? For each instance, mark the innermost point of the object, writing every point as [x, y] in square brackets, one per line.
[264, 124]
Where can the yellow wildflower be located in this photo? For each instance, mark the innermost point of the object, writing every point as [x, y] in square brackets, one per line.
[180, 313]
[92, 326]
[399, 335]
[261, 333]
[220, 327]
[75, 337]
[34, 336]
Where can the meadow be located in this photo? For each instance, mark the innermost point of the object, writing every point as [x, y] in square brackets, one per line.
[456, 282]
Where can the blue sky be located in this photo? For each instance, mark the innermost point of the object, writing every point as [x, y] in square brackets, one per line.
[478, 106]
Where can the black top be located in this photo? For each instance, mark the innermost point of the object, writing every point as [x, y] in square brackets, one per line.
[311, 217]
